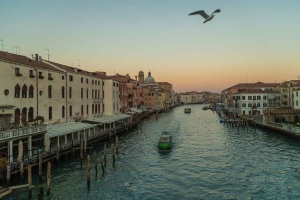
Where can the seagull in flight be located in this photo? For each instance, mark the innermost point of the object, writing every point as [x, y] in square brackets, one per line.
[204, 15]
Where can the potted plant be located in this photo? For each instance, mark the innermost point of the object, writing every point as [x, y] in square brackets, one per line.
[19, 74]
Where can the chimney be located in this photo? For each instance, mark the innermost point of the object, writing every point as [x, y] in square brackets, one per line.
[40, 58]
[36, 57]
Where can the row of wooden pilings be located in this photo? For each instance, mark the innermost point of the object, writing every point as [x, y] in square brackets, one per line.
[243, 122]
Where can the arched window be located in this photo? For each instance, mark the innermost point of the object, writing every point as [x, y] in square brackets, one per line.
[82, 93]
[87, 93]
[70, 111]
[24, 91]
[24, 115]
[31, 91]
[30, 114]
[92, 108]
[81, 109]
[50, 113]
[95, 108]
[17, 116]
[63, 92]
[98, 94]
[50, 91]
[70, 92]
[95, 94]
[87, 109]
[63, 112]
[17, 91]
[92, 93]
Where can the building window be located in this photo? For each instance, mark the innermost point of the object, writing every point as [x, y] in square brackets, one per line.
[98, 94]
[17, 70]
[254, 97]
[30, 114]
[50, 91]
[31, 91]
[87, 109]
[81, 109]
[70, 111]
[296, 102]
[24, 115]
[49, 76]
[95, 108]
[114, 84]
[103, 94]
[87, 80]
[70, 92]
[70, 78]
[95, 94]
[24, 91]
[63, 77]
[6, 92]
[87, 93]
[50, 113]
[17, 91]
[265, 97]
[258, 105]
[264, 105]
[249, 112]
[117, 84]
[92, 93]
[258, 97]
[92, 82]
[81, 80]
[98, 82]
[40, 74]
[31, 73]
[82, 93]
[63, 92]
[98, 108]
[17, 116]
[296, 93]
[63, 111]
[103, 83]
[249, 97]
[92, 108]
[243, 105]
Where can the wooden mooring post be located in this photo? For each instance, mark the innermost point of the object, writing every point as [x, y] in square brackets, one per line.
[8, 175]
[96, 167]
[117, 144]
[81, 153]
[48, 177]
[156, 114]
[29, 182]
[113, 152]
[22, 170]
[102, 163]
[88, 171]
[105, 155]
[41, 173]
[85, 144]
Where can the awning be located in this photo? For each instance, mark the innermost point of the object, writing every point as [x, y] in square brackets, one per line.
[7, 106]
[66, 128]
[130, 113]
[106, 119]
[136, 110]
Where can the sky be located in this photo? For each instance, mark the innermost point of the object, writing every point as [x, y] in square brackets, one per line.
[248, 41]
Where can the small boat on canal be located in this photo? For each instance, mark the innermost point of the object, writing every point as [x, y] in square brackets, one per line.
[187, 110]
[165, 141]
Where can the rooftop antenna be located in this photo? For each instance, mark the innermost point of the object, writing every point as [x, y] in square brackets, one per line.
[19, 50]
[16, 49]
[85, 65]
[48, 53]
[2, 44]
[79, 63]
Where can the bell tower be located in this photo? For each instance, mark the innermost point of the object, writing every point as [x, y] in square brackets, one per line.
[141, 77]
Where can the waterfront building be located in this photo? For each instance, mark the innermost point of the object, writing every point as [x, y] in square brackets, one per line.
[286, 89]
[186, 98]
[296, 99]
[254, 101]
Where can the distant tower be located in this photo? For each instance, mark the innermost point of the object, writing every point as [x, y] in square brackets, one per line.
[141, 77]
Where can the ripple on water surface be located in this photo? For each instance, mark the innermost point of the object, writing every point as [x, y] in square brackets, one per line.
[208, 161]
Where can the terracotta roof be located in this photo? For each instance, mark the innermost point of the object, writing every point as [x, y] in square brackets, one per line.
[253, 85]
[164, 83]
[251, 91]
[23, 60]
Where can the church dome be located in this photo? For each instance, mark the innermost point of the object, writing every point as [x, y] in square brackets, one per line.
[149, 79]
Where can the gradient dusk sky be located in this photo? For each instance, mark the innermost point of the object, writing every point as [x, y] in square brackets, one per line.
[249, 41]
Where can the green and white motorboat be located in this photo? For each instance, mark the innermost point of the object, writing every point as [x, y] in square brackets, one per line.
[165, 142]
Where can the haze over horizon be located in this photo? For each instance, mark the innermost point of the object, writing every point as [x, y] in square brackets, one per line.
[248, 41]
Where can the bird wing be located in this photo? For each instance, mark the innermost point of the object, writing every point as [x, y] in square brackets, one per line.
[200, 12]
[216, 11]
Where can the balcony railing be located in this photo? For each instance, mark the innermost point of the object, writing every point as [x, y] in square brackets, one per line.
[22, 131]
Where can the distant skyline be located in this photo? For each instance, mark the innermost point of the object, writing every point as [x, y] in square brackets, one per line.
[248, 41]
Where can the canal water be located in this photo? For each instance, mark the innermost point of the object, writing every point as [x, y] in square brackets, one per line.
[208, 161]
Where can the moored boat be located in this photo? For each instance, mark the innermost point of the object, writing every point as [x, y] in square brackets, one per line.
[165, 141]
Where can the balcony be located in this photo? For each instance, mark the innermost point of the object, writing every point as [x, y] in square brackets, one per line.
[11, 134]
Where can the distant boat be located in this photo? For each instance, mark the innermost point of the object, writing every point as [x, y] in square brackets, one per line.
[205, 108]
[165, 141]
[187, 110]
